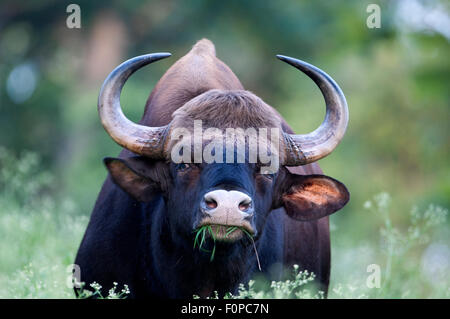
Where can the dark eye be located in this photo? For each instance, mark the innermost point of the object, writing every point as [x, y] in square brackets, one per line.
[182, 167]
[268, 175]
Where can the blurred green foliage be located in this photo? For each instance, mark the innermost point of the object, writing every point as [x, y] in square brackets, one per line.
[395, 79]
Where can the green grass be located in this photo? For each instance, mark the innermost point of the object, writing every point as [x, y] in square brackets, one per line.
[40, 230]
[298, 286]
[200, 237]
[202, 231]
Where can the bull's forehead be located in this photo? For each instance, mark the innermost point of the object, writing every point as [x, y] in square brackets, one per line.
[255, 146]
[222, 122]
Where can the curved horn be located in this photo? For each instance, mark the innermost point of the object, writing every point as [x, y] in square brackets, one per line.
[308, 148]
[140, 139]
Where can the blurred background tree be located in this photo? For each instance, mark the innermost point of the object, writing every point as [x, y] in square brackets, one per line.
[395, 79]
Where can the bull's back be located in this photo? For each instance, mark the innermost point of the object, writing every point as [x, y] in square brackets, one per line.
[195, 73]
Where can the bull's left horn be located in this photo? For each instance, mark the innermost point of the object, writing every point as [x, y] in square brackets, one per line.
[140, 139]
[308, 148]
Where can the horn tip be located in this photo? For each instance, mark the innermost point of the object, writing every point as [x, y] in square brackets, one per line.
[291, 61]
[152, 57]
[281, 57]
[162, 55]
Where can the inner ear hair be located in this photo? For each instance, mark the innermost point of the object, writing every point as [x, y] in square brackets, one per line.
[311, 197]
[317, 187]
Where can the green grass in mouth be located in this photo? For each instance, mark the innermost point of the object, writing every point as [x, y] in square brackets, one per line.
[200, 236]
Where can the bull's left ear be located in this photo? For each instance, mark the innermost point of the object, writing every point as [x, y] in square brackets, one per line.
[140, 177]
[310, 197]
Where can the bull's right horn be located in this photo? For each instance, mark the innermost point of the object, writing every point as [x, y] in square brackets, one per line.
[308, 148]
[140, 139]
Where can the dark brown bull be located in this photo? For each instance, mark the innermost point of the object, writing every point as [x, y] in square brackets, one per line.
[145, 240]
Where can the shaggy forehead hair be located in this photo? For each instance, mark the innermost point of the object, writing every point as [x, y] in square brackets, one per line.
[226, 109]
[223, 109]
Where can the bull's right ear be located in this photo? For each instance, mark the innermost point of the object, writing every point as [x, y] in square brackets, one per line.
[139, 176]
[310, 197]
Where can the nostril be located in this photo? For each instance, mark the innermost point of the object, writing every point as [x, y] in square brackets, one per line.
[210, 203]
[245, 205]
[221, 202]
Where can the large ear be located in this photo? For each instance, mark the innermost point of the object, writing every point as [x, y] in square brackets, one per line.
[139, 176]
[310, 197]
